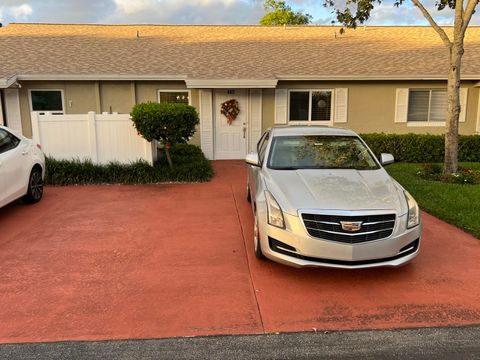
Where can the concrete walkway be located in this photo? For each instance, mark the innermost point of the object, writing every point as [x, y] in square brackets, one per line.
[136, 262]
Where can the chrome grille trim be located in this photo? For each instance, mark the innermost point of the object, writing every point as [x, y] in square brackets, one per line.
[328, 227]
[350, 234]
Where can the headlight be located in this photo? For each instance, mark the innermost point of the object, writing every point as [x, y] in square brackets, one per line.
[274, 213]
[413, 215]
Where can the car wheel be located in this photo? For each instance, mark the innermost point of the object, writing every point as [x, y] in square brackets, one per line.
[35, 187]
[249, 196]
[256, 239]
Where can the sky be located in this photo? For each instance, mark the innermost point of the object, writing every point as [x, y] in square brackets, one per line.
[196, 12]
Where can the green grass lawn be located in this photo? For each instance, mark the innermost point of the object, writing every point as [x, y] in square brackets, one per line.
[457, 204]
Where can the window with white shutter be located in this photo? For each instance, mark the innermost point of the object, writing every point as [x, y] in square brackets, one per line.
[310, 106]
[427, 105]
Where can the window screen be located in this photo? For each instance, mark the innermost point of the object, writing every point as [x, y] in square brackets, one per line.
[47, 100]
[174, 97]
[321, 105]
[427, 105]
[299, 101]
[310, 106]
[438, 105]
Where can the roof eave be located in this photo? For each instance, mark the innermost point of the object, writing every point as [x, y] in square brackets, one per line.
[231, 83]
[369, 77]
[7, 82]
[97, 77]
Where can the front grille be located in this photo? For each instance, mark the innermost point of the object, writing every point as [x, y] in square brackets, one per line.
[328, 227]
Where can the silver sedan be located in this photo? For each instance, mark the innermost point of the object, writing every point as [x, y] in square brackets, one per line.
[321, 198]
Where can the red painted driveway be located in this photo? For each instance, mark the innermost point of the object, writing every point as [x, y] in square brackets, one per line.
[116, 262]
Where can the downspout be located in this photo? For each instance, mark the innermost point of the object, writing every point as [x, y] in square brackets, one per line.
[2, 105]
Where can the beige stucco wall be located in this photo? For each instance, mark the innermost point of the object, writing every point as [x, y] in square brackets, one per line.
[81, 97]
[117, 96]
[371, 105]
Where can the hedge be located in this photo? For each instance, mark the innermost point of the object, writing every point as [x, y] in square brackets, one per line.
[422, 148]
[190, 165]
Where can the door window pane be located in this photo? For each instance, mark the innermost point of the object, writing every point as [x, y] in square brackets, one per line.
[321, 105]
[47, 100]
[418, 101]
[174, 97]
[299, 101]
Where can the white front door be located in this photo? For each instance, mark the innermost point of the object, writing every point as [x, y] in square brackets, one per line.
[231, 140]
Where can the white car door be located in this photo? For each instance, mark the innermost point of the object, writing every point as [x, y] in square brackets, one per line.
[14, 167]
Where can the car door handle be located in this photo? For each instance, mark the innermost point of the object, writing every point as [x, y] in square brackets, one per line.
[24, 152]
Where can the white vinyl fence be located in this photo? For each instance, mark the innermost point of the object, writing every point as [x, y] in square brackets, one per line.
[99, 138]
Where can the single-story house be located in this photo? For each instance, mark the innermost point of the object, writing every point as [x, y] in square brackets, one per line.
[373, 79]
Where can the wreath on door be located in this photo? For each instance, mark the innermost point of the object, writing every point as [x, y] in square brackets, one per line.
[230, 110]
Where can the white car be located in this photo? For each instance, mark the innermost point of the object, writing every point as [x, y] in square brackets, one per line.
[22, 168]
[321, 198]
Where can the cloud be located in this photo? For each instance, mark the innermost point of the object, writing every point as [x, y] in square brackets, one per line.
[191, 12]
[21, 11]
[56, 11]
[16, 12]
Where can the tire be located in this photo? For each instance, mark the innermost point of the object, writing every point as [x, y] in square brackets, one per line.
[249, 196]
[257, 246]
[35, 187]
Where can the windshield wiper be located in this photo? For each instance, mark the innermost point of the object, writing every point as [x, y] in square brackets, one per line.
[286, 168]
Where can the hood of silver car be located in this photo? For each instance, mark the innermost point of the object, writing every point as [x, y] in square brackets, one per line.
[343, 189]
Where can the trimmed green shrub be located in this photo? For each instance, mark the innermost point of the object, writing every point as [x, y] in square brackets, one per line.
[190, 166]
[168, 123]
[422, 148]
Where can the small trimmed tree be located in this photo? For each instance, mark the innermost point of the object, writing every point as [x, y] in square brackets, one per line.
[282, 14]
[167, 123]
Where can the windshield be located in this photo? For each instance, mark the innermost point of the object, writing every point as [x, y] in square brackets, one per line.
[320, 152]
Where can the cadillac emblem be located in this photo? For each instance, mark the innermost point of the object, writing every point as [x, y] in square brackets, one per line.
[351, 226]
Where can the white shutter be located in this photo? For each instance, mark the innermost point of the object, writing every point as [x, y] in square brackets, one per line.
[281, 102]
[463, 104]
[255, 118]
[341, 105]
[12, 109]
[206, 122]
[401, 105]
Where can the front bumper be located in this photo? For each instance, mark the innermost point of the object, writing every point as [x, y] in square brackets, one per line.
[293, 246]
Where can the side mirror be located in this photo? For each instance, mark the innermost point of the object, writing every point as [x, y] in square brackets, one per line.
[386, 159]
[252, 159]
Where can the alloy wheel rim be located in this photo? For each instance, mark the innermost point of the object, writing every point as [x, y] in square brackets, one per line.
[36, 185]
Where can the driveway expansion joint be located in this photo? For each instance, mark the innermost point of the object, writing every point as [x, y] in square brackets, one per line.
[248, 259]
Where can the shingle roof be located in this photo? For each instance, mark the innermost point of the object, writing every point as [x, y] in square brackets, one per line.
[228, 52]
